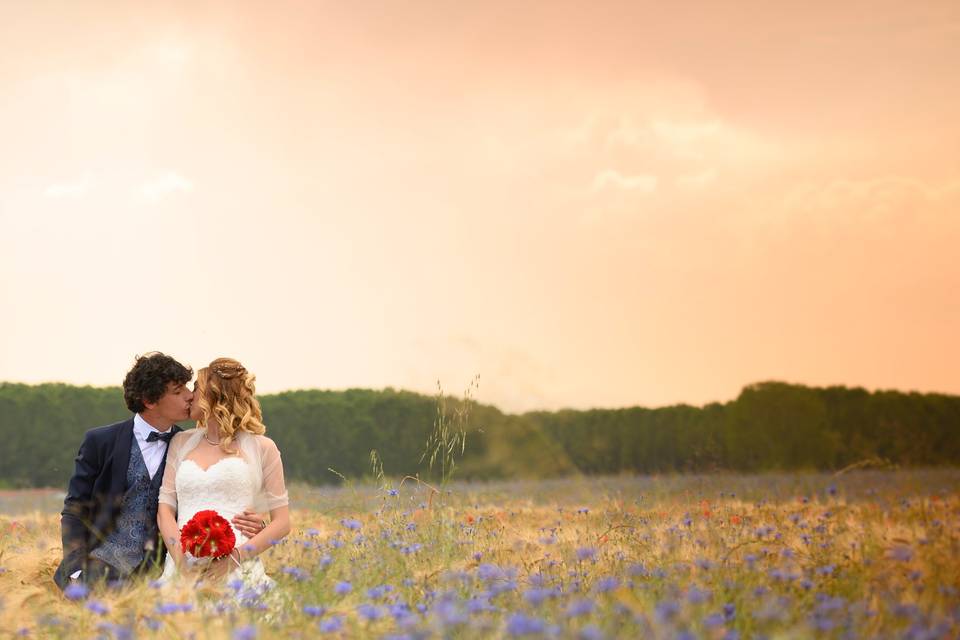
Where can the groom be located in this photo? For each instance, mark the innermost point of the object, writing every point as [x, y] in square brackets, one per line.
[109, 520]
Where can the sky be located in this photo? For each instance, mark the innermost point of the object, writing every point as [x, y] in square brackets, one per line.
[598, 204]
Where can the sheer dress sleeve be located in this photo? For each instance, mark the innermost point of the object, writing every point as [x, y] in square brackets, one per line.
[168, 490]
[274, 491]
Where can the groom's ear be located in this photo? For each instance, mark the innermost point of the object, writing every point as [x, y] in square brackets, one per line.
[148, 405]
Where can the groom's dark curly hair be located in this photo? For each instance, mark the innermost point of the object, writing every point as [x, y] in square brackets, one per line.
[147, 380]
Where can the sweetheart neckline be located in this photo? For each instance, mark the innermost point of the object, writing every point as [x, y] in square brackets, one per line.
[202, 470]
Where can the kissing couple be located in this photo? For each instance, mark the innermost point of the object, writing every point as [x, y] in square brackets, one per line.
[138, 482]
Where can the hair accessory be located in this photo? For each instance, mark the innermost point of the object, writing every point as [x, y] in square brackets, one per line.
[229, 372]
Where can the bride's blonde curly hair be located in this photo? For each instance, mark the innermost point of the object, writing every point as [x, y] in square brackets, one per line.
[226, 393]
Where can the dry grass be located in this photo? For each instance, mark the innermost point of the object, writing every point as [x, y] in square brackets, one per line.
[712, 556]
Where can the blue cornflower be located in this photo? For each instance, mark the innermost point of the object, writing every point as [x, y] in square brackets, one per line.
[538, 595]
[314, 611]
[296, 573]
[521, 625]
[696, 595]
[331, 625]
[906, 610]
[76, 591]
[606, 584]
[586, 553]
[343, 588]
[902, 553]
[489, 572]
[713, 620]
[350, 523]
[411, 526]
[313, 532]
[823, 623]
[369, 611]
[393, 492]
[325, 560]
[449, 613]
[97, 607]
[590, 632]
[164, 608]
[479, 604]
[537, 580]
[581, 607]
[502, 586]
[666, 610]
[248, 632]
[375, 593]
[729, 612]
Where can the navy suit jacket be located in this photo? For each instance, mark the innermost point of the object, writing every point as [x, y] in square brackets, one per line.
[95, 495]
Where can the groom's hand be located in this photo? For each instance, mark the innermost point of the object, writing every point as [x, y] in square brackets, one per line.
[250, 523]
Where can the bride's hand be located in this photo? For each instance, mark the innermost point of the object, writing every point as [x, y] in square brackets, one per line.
[249, 523]
[218, 569]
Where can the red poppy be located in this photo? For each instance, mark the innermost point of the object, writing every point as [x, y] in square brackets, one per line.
[207, 533]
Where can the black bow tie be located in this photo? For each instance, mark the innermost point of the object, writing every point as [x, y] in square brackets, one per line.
[153, 436]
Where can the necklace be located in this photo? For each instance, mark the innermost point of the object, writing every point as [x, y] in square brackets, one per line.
[207, 438]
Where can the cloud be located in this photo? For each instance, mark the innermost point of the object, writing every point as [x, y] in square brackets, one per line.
[684, 133]
[696, 180]
[612, 179]
[687, 151]
[164, 185]
[870, 199]
[76, 189]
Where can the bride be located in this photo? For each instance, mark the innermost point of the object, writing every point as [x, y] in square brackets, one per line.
[226, 464]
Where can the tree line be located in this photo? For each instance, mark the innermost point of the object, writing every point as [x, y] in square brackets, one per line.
[327, 435]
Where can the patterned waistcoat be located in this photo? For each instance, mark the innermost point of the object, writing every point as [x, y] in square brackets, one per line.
[123, 549]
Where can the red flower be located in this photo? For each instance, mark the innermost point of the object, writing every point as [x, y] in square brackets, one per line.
[207, 533]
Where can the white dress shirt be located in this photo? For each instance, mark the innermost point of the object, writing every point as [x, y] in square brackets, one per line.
[152, 451]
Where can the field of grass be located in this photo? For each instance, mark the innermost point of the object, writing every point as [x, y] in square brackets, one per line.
[866, 554]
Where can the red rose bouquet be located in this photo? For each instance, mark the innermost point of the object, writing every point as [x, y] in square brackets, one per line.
[207, 534]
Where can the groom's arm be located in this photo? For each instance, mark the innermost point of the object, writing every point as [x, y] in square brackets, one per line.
[77, 512]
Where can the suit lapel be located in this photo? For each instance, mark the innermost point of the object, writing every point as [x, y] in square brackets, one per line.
[121, 457]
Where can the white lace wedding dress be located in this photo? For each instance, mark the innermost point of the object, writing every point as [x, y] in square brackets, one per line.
[228, 486]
